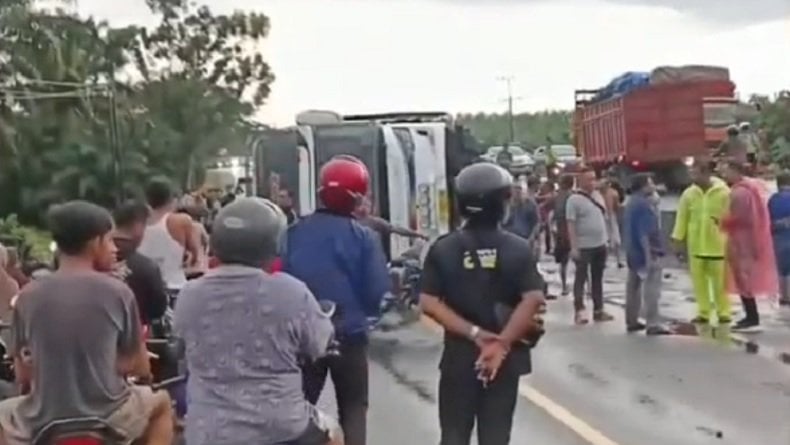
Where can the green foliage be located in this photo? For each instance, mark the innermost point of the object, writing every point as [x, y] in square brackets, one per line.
[29, 241]
[73, 124]
[531, 129]
[223, 50]
[774, 125]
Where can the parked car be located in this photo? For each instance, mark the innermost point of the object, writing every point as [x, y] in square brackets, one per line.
[515, 159]
[563, 153]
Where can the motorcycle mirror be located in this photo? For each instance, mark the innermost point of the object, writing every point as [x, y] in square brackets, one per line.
[328, 308]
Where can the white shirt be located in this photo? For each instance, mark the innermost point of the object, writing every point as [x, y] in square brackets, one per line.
[168, 253]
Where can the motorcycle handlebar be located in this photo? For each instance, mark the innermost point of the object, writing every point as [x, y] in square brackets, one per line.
[164, 384]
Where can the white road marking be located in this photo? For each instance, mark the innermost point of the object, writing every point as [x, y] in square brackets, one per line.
[552, 408]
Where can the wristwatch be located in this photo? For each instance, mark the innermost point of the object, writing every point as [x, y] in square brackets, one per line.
[474, 331]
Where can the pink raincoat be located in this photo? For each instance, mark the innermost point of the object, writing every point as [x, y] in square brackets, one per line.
[750, 252]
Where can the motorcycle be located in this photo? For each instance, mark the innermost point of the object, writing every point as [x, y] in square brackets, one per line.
[405, 272]
[89, 430]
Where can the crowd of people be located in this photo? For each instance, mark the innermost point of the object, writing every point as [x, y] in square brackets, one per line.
[257, 341]
[733, 238]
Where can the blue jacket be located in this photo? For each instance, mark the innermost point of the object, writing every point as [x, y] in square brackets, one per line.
[340, 261]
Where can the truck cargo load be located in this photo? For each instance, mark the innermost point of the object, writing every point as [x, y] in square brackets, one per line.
[624, 84]
[688, 73]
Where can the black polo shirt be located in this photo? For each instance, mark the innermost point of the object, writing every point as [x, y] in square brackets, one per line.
[508, 269]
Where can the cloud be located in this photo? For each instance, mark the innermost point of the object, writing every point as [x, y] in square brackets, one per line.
[736, 12]
[722, 11]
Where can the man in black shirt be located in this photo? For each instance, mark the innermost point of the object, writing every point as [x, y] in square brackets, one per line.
[139, 272]
[482, 285]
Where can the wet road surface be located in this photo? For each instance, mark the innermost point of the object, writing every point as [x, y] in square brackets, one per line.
[595, 385]
[403, 394]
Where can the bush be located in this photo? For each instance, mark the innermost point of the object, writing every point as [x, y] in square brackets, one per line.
[31, 243]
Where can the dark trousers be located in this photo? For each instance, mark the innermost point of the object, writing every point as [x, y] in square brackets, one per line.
[592, 261]
[750, 309]
[463, 400]
[547, 237]
[349, 372]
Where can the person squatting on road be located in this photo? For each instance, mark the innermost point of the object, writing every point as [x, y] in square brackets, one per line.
[779, 211]
[750, 252]
[246, 332]
[482, 285]
[644, 254]
[562, 246]
[698, 237]
[76, 335]
[585, 212]
[342, 261]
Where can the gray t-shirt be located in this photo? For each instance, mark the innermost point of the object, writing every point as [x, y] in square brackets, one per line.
[245, 332]
[75, 326]
[588, 219]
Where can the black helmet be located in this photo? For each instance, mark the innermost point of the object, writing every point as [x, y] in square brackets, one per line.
[248, 231]
[482, 190]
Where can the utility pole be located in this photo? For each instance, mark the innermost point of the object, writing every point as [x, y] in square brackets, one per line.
[509, 81]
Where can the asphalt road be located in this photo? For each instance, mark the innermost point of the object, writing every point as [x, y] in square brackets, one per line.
[594, 385]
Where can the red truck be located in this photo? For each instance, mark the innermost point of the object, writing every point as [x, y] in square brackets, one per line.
[658, 128]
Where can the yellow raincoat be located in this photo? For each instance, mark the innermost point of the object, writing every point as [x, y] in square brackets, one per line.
[698, 219]
[697, 223]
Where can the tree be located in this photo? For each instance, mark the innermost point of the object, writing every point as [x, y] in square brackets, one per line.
[222, 50]
[67, 102]
[774, 124]
[53, 107]
[185, 123]
[532, 129]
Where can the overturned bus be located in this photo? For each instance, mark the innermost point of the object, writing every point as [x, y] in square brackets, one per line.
[412, 159]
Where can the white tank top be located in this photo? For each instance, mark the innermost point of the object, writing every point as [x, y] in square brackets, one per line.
[168, 253]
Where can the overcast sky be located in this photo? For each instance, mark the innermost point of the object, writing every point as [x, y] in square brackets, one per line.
[385, 55]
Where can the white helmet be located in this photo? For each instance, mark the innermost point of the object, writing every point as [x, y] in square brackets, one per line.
[745, 126]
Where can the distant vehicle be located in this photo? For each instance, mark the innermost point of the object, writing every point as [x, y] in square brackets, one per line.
[564, 154]
[658, 126]
[515, 159]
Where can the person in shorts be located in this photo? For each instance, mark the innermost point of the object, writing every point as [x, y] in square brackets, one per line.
[76, 336]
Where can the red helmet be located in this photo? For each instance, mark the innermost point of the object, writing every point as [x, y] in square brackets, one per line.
[344, 181]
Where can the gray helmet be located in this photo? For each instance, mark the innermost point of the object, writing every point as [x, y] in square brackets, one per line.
[248, 232]
[482, 190]
[733, 130]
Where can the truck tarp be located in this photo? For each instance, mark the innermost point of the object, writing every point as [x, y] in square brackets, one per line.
[688, 73]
